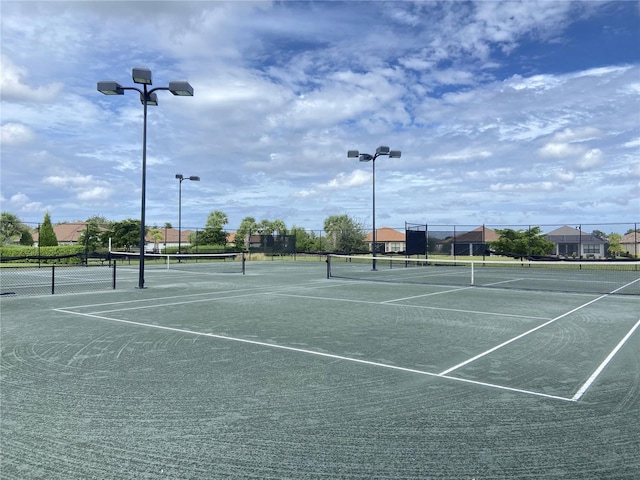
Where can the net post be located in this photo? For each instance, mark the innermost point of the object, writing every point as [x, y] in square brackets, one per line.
[114, 274]
[328, 260]
[473, 273]
[168, 261]
[243, 263]
[53, 279]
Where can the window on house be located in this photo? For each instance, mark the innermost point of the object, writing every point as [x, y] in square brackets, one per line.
[591, 248]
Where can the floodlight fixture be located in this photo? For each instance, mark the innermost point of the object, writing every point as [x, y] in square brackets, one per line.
[395, 154]
[353, 154]
[141, 75]
[365, 157]
[152, 99]
[181, 89]
[382, 150]
[110, 88]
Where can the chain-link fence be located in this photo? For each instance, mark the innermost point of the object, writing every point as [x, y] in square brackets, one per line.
[559, 241]
[570, 240]
[55, 279]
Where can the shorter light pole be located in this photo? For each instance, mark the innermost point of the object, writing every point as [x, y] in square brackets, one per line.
[182, 178]
[365, 157]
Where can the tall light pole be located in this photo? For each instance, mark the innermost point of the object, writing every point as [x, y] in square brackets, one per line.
[365, 157]
[182, 178]
[147, 97]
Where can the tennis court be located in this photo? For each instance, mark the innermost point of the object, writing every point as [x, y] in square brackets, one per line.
[284, 373]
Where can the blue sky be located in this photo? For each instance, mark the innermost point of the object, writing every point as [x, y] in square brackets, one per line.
[506, 113]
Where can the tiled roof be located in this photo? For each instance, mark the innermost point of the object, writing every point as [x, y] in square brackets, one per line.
[633, 237]
[474, 236]
[65, 232]
[386, 234]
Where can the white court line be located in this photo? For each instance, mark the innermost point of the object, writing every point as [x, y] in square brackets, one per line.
[312, 352]
[308, 286]
[185, 302]
[606, 361]
[421, 307]
[511, 280]
[192, 295]
[518, 337]
[426, 295]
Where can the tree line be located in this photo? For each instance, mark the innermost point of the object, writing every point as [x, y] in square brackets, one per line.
[342, 233]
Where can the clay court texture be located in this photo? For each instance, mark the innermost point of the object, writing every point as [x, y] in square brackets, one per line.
[283, 373]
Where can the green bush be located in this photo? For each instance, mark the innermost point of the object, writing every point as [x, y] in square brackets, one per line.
[48, 255]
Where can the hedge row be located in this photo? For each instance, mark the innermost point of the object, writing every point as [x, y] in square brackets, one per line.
[67, 254]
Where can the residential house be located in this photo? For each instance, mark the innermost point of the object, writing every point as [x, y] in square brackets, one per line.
[630, 244]
[167, 237]
[572, 242]
[388, 240]
[471, 243]
[66, 233]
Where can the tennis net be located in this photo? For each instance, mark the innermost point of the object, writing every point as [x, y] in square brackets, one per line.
[206, 262]
[561, 276]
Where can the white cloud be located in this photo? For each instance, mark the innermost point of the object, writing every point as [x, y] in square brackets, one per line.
[590, 160]
[23, 204]
[577, 134]
[523, 187]
[95, 193]
[15, 134]
[465, 155]
[635, 143]
[536, 82]
[85, 187]
[560, 150]
[565, 177]
[416, 63]
[348, 180]
[342, 181]
[13, 86]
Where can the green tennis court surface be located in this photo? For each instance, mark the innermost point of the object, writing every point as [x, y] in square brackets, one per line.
[283, 373]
